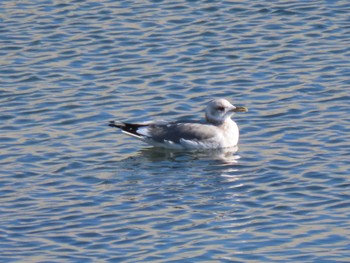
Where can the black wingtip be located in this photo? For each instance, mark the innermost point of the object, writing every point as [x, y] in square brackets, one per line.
[113, 124]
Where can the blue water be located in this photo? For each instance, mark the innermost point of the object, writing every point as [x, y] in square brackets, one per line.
[73, 189]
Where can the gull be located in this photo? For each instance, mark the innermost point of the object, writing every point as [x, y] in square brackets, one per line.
[218, 131]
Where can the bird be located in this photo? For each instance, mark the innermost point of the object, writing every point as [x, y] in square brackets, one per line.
[218, 131]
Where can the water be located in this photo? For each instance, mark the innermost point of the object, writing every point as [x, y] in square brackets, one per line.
[75, 190]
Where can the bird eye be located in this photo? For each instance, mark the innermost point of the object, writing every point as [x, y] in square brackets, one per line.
[220, 108]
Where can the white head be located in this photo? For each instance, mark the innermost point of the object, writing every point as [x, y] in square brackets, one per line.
[219, 110]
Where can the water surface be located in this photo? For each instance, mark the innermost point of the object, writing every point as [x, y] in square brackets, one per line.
[75, 190]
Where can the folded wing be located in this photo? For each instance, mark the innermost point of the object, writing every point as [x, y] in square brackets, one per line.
[170, 133]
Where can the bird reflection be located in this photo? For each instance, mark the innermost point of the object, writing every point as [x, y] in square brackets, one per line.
[225, 155]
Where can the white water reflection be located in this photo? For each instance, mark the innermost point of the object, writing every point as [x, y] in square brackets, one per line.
[225, 155]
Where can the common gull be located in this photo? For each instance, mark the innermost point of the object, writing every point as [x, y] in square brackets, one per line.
[217, 132]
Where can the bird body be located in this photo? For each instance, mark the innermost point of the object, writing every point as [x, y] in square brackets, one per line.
[219, 130]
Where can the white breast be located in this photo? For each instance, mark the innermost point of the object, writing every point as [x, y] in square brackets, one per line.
[230, 133]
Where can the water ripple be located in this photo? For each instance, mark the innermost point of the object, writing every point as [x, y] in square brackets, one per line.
[74, 190]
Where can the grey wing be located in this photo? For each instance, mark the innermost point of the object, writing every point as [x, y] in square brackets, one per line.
[175, 132]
